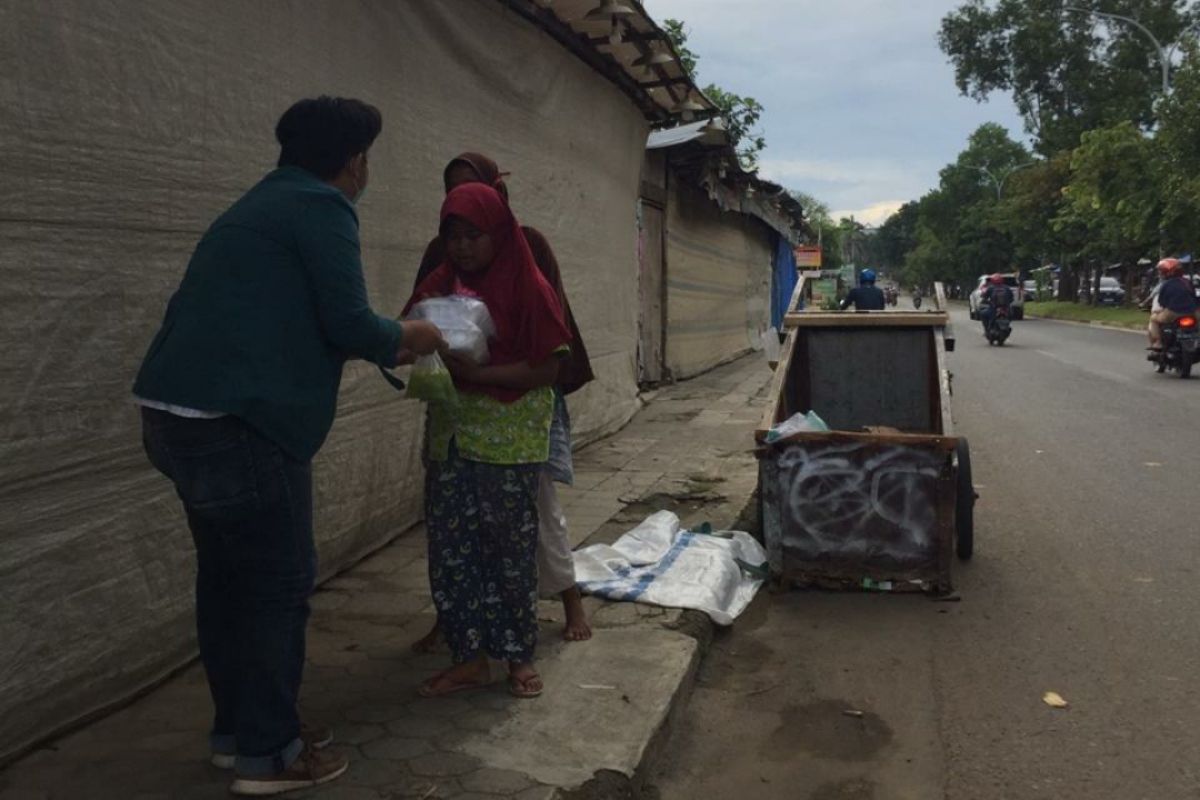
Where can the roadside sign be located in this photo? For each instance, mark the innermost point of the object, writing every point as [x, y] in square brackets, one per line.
[807, 256]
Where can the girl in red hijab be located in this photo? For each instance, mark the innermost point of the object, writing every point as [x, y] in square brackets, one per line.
[556, 565]
[485, 452]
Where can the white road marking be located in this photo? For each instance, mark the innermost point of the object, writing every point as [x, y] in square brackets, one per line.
[1100, 373]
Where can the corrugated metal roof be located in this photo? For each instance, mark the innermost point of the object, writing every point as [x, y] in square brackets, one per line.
[670, 137]
[622, 46]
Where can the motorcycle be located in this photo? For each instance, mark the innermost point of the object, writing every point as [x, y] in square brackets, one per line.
[1180, 346]
[916, 301]
[999, 328]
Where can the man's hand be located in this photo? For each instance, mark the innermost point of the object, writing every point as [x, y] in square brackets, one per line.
[421, 337]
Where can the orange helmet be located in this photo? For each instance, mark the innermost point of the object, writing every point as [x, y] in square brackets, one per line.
[1170, 267]
[996, 279]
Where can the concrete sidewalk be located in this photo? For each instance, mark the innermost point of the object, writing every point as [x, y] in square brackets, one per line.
[607, 704]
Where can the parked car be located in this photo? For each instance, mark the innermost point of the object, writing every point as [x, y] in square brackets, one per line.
[1111, 292]
[1010, 280]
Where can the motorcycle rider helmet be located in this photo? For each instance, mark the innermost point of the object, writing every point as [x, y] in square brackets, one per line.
[1170, 267]
[867, 276]
[996, 279]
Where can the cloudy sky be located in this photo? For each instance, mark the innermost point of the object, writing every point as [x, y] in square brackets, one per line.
[861, 107]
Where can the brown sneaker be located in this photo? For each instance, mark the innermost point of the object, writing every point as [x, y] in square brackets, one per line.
[312, 768]
[318, 737]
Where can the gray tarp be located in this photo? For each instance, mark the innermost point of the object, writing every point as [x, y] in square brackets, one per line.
[718, 281]
[124, 129]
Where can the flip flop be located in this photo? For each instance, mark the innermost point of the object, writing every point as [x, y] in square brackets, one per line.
[519, 687]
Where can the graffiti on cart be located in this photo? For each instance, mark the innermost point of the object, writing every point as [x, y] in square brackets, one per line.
[859, 500]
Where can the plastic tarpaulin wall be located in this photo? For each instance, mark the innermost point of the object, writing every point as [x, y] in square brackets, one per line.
[125, 128]
[718, 281]
[783, 280]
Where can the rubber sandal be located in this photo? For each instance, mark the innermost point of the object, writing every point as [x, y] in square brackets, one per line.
[517, 687]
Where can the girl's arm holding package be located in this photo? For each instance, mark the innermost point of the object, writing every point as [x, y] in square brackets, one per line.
[520, 376]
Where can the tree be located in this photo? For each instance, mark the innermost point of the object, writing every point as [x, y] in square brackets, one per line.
[1113, 198]
[1177, 150]
[1033, 198]
[896, 237]
[959, 230]
[1064, 76]
[741, 114]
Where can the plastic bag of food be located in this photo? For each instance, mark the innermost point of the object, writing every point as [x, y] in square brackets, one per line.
[431, 381]
[464, 321]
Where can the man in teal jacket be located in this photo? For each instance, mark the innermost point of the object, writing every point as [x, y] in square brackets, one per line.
[238, 391]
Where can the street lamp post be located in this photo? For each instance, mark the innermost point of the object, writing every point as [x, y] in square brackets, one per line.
[1164, 56]
[999, 181]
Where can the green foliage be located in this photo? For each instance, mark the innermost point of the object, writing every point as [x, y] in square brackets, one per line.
[1120, 173]
[677, 33]
[1068, 72]
[956, 232]
[815, 211]
[1113, 195]
[1177, 148]
[896, 237]
[742, 114]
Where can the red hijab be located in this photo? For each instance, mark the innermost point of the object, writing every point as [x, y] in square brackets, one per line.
[525, 309]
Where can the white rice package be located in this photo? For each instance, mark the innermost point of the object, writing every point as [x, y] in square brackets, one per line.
[464, 322]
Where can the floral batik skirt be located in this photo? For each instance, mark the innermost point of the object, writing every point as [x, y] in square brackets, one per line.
[482, 526]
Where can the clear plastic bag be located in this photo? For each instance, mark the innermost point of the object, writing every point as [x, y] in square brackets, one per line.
[431, 381]
[465, 323]
[797, 423]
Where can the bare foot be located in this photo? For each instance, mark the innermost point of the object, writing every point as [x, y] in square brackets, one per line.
[524, 681]
[459, 678]
[577, 628]
[429, 642]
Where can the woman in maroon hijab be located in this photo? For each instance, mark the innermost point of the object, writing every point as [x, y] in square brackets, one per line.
[556, 567]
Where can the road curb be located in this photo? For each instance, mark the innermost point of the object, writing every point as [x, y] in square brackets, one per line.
[741, 514]
[1079, 324]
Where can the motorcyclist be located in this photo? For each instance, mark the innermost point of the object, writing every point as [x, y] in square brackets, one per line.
[1173, 298]
[994, 296]
[866, 296]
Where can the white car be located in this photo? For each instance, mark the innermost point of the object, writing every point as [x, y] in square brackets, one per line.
[1010, 280]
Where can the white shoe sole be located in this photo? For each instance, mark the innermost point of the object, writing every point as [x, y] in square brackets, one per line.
[251, 787]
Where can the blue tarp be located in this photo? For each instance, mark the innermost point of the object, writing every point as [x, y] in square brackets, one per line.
[783, 280]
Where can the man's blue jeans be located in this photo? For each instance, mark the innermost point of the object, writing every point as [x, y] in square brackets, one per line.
[986, 313]
[249, 506]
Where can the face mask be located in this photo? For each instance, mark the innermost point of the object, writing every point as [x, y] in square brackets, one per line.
[359, 194]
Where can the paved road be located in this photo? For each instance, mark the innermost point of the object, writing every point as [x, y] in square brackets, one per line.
[1086, 582]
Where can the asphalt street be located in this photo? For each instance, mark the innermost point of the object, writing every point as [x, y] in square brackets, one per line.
[1085, 582]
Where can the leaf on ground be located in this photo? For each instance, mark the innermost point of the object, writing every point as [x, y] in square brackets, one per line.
[1054, 700]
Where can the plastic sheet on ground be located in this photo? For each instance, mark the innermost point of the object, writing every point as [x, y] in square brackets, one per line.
[659, 564]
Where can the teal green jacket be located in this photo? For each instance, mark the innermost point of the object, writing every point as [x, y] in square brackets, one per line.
[271, 306]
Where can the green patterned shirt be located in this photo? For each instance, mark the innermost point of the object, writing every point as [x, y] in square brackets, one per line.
[493, 432]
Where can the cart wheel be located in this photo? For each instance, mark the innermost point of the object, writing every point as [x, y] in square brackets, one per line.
[964, 509]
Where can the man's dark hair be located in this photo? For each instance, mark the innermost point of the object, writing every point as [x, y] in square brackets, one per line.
[321, 135]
